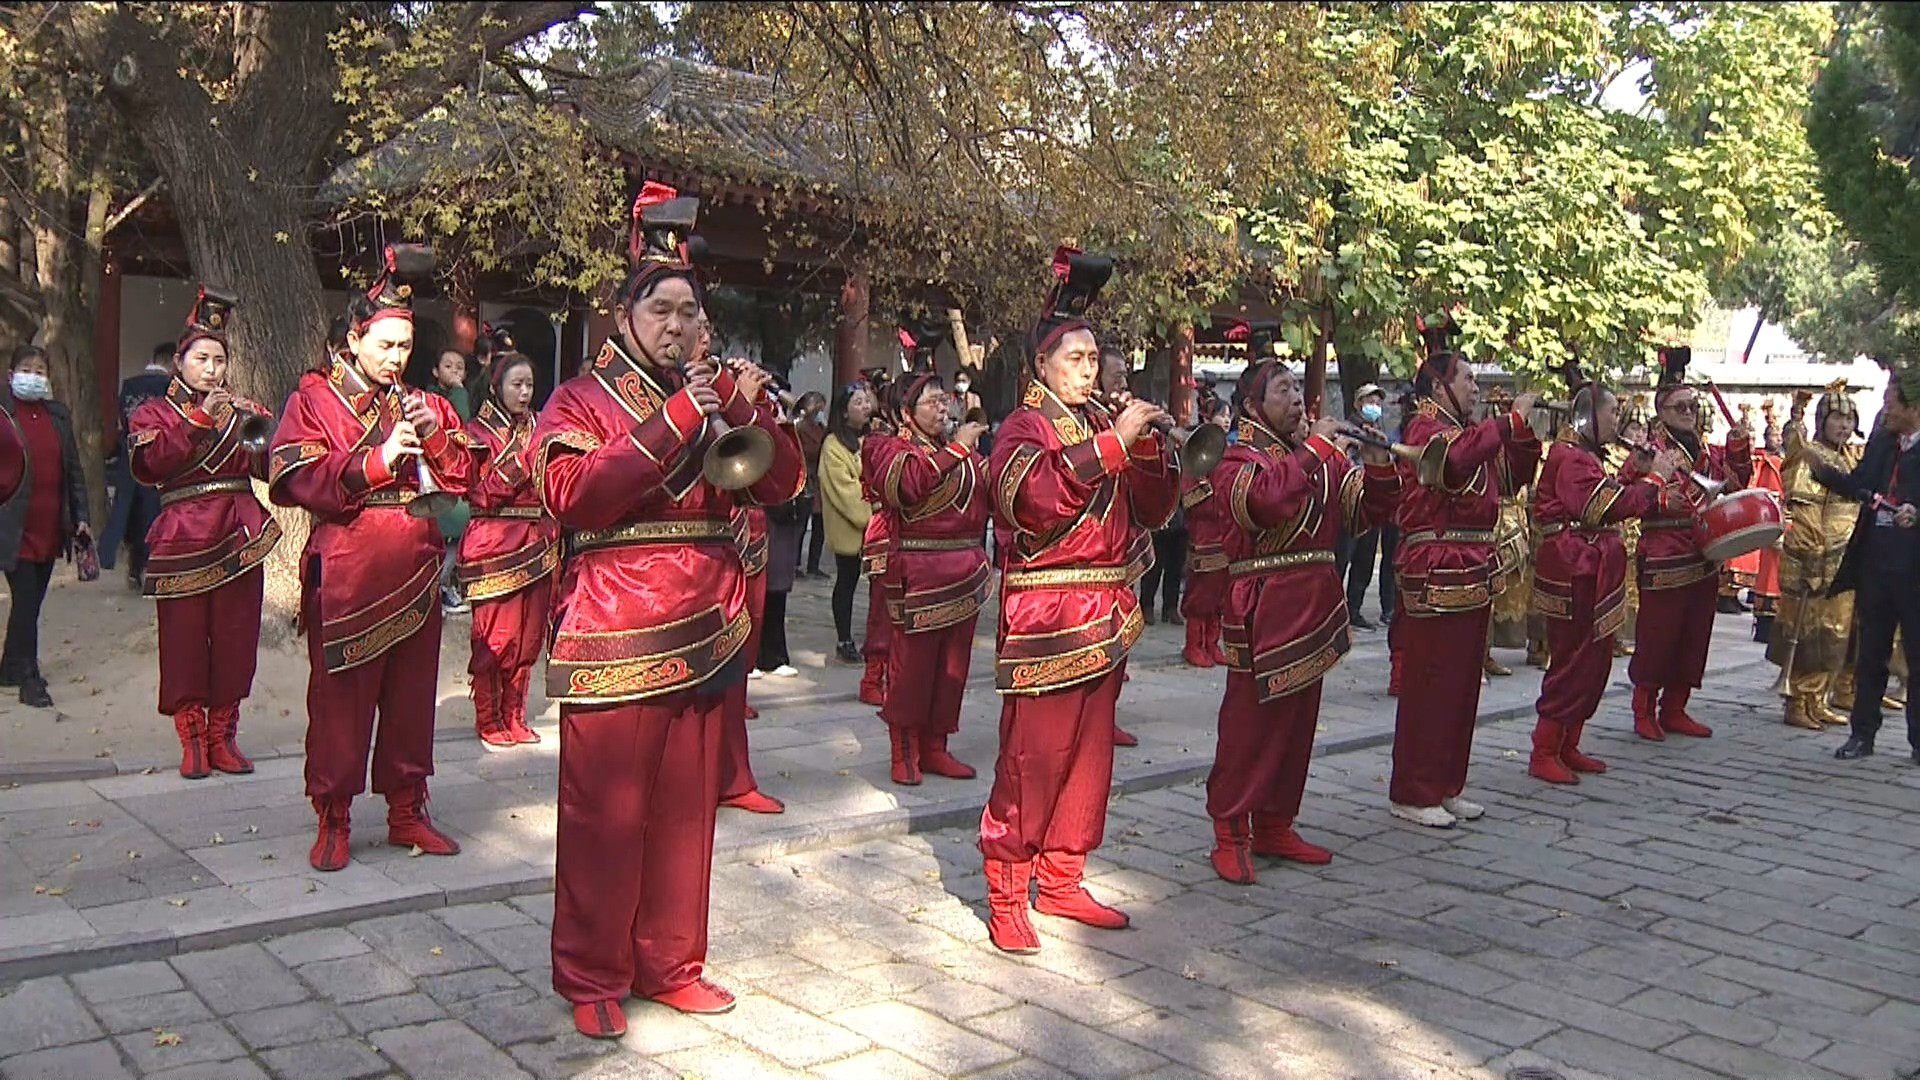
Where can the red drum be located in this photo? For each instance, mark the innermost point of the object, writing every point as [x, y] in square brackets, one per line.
[1738, 523]
[13, 457]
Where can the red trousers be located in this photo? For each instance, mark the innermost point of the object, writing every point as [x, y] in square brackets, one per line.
[927, 677]
[633, 852]
[401, 684]
[1055, 769]
[1439, 701]
[1577, 666]
[196, 631]
[1671, 635]
[1260, 763]
[879, 626]
[508, 632]
[736, 769]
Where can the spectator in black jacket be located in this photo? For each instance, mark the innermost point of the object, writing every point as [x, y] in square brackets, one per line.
[1882, 563]
[135, 505]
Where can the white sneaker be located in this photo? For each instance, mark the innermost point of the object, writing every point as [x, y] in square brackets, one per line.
[754, 673]
[1433, 817]
[1462, 809]
[784, 671]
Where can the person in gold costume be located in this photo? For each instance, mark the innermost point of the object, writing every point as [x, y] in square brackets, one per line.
[1811, 629]
[1633, 434]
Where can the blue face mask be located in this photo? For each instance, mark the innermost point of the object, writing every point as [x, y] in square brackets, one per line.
[1370, 413]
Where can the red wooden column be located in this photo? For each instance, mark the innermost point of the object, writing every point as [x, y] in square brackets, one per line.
[1180, 375]
[850, 334]
[106, 347]
[466, 314]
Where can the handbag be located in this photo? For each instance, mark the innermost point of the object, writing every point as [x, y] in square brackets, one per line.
[86, 558]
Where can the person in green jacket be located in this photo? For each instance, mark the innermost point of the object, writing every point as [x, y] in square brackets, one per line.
[449, 381]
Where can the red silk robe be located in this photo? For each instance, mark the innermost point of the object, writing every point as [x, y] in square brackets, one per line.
[736, 763]
[509, 553]
[876, 560]
[1766, 581]
[939, 574]
[370, 600]
[652, 621]
[1449, 571]
[1074, 509]
[1286, 613]
[1580, 575]
[1679, 587]
[206, 547]
[1209, 525]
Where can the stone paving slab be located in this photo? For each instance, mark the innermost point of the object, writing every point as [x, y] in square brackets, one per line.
[869, 960]
[143, 866]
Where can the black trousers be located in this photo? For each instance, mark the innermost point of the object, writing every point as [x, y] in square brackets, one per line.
[27, 583]
[1880, 607]
[773, 633]
[1380, 541]
[816, 542]
[846, 582]
[1169, 566]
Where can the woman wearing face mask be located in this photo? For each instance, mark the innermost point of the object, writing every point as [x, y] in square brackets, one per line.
[45, 520]
[350, 450]
[508, 556]
[844, 506]
[1076, 490]
[1580, 578]
[206, 546]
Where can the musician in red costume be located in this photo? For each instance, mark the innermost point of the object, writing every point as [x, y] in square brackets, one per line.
[1679, 587]
[1580, 575]
[349, 450]
[1210, 524]
[935, 488]
[876, 550]
[651, 633]
[1289, 489]
[508, 554]
[208, 541]
[1767, 476]
[1448, 573]
[1076, 490]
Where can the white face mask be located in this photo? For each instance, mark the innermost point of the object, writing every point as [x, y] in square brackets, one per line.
[30, 387]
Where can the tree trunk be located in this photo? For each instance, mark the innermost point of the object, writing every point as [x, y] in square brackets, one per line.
[1316, 390]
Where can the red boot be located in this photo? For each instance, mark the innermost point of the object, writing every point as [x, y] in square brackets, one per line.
[1232, 857]
[1673, 715]
[1213, 643]
[905, 745]
[487, 707]
[1007, 923]
[330, 848]
[1396, 665]
[600, 1019]
[935, 759]
[1548, 737]
[513, 707]
[223, 752]
[1273, 837]
[755, 802]
[1123, 737]
[1060, 875]
[699, 997]
[873, 684]
[752, 713]
[190, 724]
[1571, 755]
[1196, 654]
[408, 825]
[1645, 699]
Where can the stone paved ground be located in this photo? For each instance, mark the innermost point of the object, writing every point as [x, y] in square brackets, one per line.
[1740, 907]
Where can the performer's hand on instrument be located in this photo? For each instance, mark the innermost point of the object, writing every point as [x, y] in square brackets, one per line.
[218, 402]
[969, 434]
[402, 441]
[1371, 454]
[1135, 419]
[1524, 403]
[1665, 465]
[424, 422]
[752, 379]
[1329, 429]
[1907, 516]
[700, 389]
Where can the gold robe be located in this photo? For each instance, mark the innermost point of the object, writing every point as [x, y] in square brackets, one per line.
[1819, 526]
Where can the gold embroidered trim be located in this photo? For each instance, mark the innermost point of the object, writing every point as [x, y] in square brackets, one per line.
[653, 532]
[1055, 579]
[1281, 561]
[522, 513]
[208, 578]
[390, 499]
[958, 544]
[170, 496]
